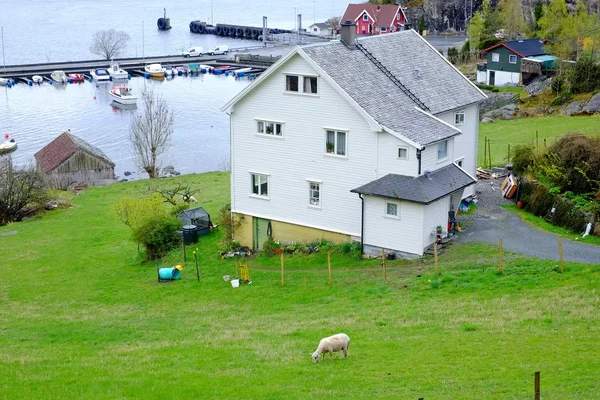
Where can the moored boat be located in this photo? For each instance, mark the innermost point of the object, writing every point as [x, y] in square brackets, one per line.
[59, 77]
[100, 74]
[8, 146]
[37, 79]
[76, 78]
[122, 95]
[155, 70]
[169, 71]
[117, 72]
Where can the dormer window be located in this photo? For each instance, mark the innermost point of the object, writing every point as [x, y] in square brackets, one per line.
[365, 17]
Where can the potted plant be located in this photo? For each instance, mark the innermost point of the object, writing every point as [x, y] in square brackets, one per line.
[438, 229]
[269, 129]
[330, 147]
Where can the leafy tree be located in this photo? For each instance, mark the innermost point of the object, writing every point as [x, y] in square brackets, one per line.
[491, 21]
[422, 23]
[334, 23]
[453, 55]
[158, 234]
[511, 17]
[109, 43]
[135, 212]
[475, 31]
[21, 190]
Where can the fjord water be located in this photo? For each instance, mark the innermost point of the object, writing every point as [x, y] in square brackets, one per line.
[39, 31]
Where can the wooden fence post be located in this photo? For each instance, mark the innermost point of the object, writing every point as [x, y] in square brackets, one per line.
[490, 152]
[157, 274]
[435, 259]
[196, 260]
[282, 279]
[560, 255]
[383, 264]
[484, 151]
[329, 265]
[183, 244]
[236, 267]
[537, 395]
[500, 256]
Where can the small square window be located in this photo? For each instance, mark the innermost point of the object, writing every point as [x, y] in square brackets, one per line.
[512, 59]
[314, 193]
[495, 57]
[459, 118]
[260, 185]
[442, 150]
[310, 84]
[291, 83]
[391, 209]
[365, 17]
[402, 153]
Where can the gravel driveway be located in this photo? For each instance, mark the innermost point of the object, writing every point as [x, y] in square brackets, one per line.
[491, 222]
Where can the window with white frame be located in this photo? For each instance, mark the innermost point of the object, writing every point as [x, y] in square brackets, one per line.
[402, 153]
[442, 150]
[291, 83]
[459, 117]
[335, 142]
[310, 84]
[512, 59]
[495, 57]
[365, 17]
[270, 128]
[260, 185]
[392, 209]
[314, 194]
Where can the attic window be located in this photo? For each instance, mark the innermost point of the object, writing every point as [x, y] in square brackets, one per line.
[365, 17]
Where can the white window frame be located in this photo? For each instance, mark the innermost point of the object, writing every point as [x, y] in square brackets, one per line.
[459, 117]
[298, 83]
[460, 162]
[365, 17]
[264, 122]
[445, 156]
[386, 210]
[511, 57]
[495, 57]
[336, 150]
[304, 78]
[266, 180]
[311, 198]
[405, 158]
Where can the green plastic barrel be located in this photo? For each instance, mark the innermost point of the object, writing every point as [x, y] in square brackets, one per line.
[189, 234]
[167, 274]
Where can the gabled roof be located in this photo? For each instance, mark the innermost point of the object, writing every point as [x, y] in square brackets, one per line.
[424, 189]
[321, 25]
[412, 61]
[383, 14]
[523, 48]
[64, 146]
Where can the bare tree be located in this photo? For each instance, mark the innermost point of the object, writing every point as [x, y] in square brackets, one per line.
[21, 191]
[109, 43]
[150, 132]
[334, 23]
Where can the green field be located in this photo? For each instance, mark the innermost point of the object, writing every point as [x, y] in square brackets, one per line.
[82, 317]
[523, 131]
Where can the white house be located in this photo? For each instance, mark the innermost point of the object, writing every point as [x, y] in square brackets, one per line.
[371, 139]
[320, 28]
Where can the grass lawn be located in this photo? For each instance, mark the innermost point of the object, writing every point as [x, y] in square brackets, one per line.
[83, 317]
[523, 131]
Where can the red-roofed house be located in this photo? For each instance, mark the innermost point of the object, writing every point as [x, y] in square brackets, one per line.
[374, 19]
[69, 159]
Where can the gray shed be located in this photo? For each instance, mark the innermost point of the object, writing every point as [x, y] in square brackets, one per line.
[196, 216]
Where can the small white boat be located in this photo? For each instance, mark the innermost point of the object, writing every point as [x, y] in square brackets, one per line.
[8, 146]
[59, 76]
[241, 70]
[123, 95]
[3, 81]
[117, 72]
[100, 74]
[169, 71]
[37, 79]
[155, 70]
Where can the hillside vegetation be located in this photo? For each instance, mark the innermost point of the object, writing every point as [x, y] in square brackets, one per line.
[83, 317]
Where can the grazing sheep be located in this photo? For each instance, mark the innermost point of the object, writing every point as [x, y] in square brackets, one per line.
[339, 342]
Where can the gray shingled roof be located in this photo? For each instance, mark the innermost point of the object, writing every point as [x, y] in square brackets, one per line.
[374, 92]
[422, 189]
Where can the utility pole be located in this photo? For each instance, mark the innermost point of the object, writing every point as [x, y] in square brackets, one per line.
[212, 21]
[143, 42]
[3, 59]
[315, 11]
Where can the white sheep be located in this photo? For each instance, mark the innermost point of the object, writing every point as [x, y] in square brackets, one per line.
[338, 342]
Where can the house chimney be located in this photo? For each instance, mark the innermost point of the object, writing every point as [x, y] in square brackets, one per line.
[348, 33]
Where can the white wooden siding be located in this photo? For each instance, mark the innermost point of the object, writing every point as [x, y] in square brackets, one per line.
[503, 78]
[300, 154]
[387, 157]
[429, 157]
[435, 214]
[402, 234]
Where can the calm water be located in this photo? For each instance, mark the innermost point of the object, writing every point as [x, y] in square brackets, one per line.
[37, 31]
[34, 116]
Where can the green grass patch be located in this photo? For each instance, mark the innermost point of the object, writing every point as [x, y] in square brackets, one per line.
[542, 224]
[83, 317]
[523, 131]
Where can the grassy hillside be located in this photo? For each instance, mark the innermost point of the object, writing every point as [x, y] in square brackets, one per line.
[83, 317]
[523, 131]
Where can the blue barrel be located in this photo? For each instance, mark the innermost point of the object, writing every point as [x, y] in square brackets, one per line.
[203, 70]
[168, 274]
[218, 72]
[240, 74]
[226, 73]
[146, 75]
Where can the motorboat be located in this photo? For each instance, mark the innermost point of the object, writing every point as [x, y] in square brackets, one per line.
[76, 78]
[100, 74]
[123, 95]
[117, 72]
[3, 81]
[169, 71]
[155, 70]
[59, 77]
[37, 79]
[123, 107]
[183, 69]
[8, 146]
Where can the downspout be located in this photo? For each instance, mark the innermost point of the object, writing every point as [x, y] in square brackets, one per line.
[419, 158]
[362, 224]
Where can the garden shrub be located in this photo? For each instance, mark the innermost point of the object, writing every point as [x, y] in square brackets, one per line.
[158, 234]
[270, 248]
[561, 99]
[453, 55]
[577, 159]
[567, 216]
[490, 88]
[523, 157]
[540, 202]
[350, 249]
[585, 75]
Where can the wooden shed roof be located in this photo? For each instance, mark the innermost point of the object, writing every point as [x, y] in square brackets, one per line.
[64, 146]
